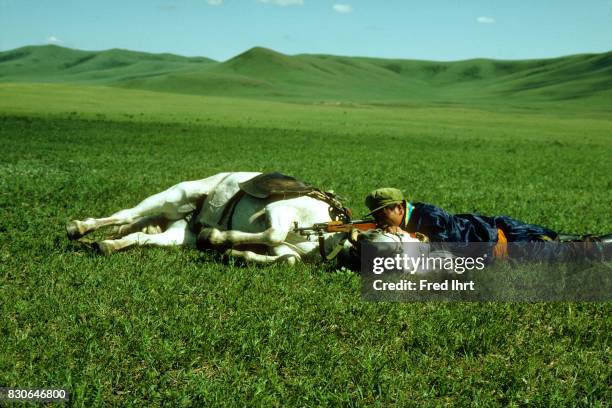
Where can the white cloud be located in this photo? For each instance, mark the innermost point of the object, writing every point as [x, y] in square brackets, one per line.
[54, 40]
[283, 2]
[343, 8]
[215, 2]
[486, 20]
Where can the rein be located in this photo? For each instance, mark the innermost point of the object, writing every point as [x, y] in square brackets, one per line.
[337, 210]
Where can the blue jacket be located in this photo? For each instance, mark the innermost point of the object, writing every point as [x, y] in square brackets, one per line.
[440, 226]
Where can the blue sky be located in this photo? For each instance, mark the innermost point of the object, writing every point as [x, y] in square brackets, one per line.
[220, 29]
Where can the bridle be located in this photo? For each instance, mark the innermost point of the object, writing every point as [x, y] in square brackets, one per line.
[337, 212]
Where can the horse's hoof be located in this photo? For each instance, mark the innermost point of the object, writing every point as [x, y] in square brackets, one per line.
[290, 259]
[74, 230]
[211, 235]
[152, 229]
[105, 247]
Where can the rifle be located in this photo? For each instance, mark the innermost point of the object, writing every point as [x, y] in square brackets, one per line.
[336, 226]
[332, 227]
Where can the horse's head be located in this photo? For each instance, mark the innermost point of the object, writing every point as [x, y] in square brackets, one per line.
[390, 243]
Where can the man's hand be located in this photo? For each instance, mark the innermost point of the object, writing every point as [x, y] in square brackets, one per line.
[394, 230]
[354, 236]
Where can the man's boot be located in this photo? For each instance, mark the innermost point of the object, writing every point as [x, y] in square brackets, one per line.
[606, 239]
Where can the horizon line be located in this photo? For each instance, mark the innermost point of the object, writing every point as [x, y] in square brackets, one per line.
[305, 54]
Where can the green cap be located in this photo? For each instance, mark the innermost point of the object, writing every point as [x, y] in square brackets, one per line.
[382, 197]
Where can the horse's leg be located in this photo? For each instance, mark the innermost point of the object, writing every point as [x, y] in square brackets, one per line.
[154, 224]
[280, 221]
[173, 203]
[289, 256]
[178, 233]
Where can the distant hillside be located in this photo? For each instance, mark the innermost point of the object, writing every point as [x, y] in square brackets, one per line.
[51, 63]
[264, 73]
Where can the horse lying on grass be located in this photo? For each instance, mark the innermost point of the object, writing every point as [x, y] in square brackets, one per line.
[251, 216]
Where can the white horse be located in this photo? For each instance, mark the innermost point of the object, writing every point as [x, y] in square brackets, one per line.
[209, 212]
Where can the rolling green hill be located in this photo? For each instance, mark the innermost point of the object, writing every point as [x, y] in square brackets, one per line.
[264, 73]
[57, 64]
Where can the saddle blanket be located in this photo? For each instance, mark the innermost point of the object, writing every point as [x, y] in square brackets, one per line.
[214, 205]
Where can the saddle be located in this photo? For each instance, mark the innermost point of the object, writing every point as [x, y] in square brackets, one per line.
[275, 185]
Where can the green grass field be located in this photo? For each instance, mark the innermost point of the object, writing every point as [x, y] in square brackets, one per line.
[150, 327]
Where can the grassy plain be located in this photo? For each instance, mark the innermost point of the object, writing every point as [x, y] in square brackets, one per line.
[176, 327]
